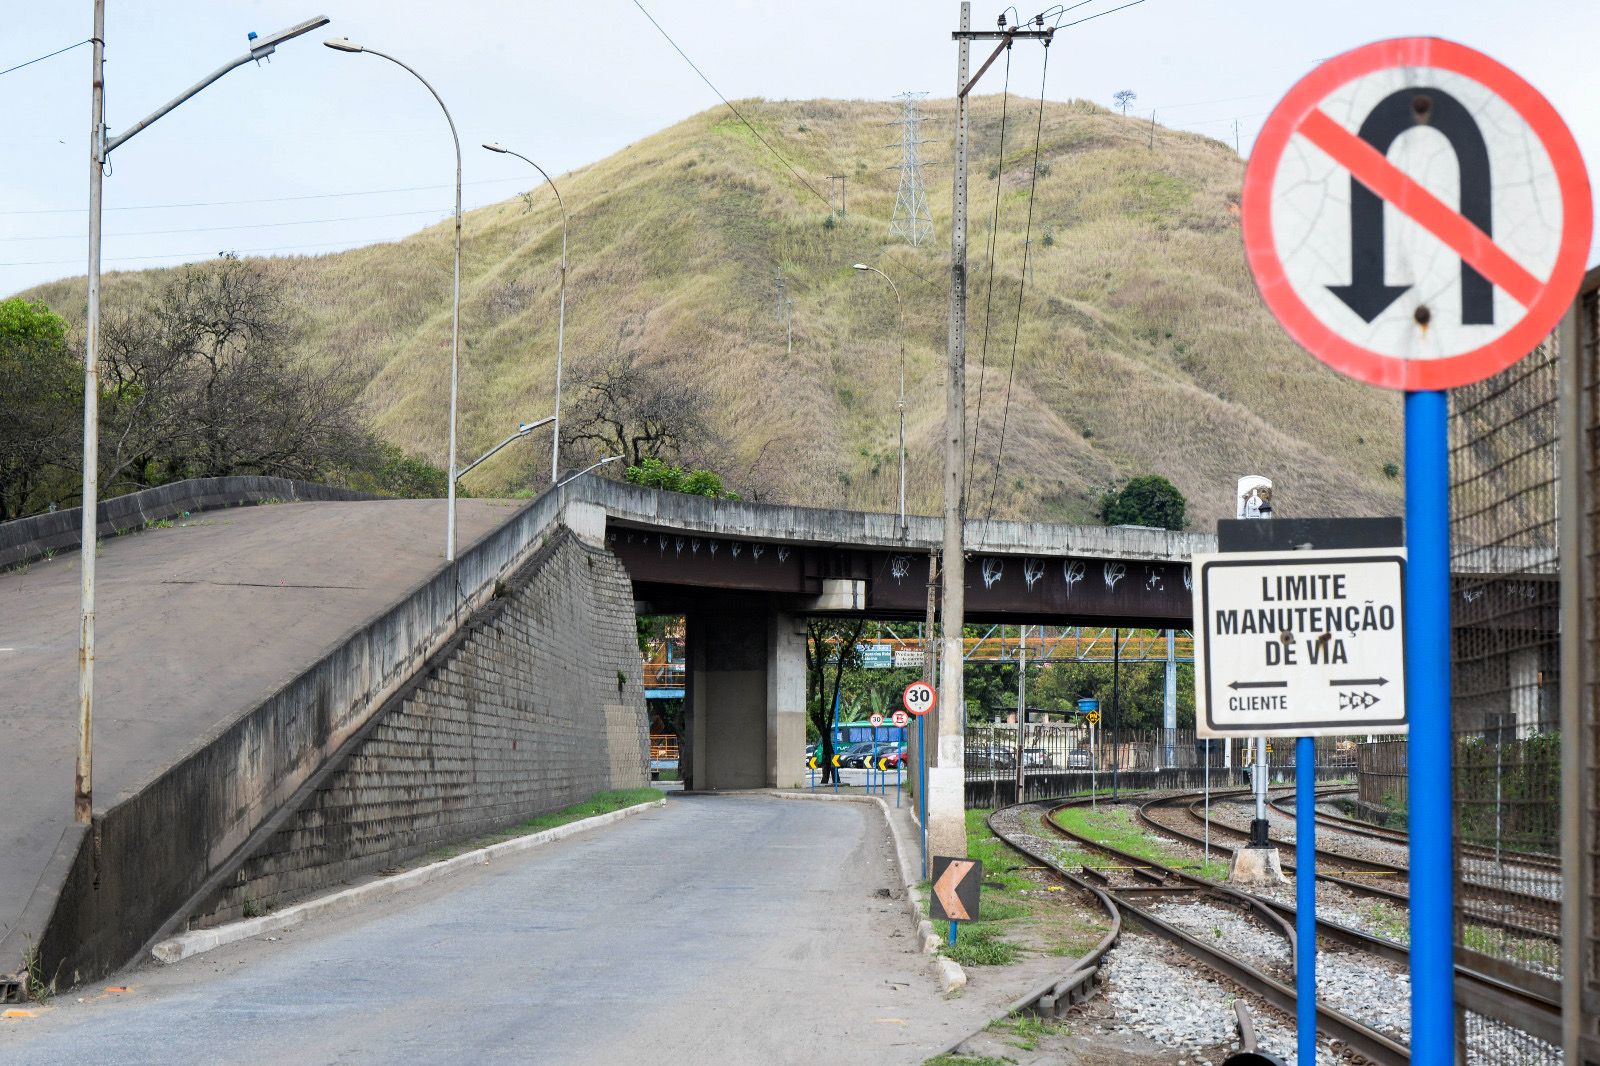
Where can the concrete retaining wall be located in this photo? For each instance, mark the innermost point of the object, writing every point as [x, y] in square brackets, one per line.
[538, 703]
[161, 854]
[27, 539]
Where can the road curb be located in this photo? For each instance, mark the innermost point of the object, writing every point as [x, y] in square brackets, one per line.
[951, 975]
[198, 941]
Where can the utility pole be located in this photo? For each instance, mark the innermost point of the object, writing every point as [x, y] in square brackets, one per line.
[83, 792]
[947, 778]
[1022, 703]
[1116, 709]
[1169, 701]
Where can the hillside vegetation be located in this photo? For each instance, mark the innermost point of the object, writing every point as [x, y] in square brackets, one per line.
[1142, 348]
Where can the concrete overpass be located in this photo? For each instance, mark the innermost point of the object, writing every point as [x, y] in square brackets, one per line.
[268, 675]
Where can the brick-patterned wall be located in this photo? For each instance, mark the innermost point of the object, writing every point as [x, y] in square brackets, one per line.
[537, 704]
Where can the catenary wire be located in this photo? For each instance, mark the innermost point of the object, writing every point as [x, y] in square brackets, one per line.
[776, 154]
[47, 55]
[1022, 284]
[988, 296]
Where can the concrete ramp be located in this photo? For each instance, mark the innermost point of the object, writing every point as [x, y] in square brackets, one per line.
[238, 651]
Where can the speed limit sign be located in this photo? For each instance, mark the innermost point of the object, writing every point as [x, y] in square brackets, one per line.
[919, 698]
[875, 720]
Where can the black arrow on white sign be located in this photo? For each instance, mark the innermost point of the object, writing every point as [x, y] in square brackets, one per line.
[1258, 684]
[1367, 294]
[1361, 681]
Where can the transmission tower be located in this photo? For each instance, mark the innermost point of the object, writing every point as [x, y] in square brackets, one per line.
[911, 218]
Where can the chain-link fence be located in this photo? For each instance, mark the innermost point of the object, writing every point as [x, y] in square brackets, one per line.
[1506, 687]
[1062, 759]
[1581, 574]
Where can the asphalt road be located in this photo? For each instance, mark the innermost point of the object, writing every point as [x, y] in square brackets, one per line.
[196, 624]
[721, 929]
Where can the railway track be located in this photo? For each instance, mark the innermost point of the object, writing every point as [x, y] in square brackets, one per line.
[1495, 906]
[1549, 864]
[1136, 885]
[1133, 892]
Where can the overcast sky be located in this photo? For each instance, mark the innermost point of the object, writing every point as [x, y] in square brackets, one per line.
[305, 153]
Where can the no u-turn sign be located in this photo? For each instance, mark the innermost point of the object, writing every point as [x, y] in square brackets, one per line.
[1416, 215]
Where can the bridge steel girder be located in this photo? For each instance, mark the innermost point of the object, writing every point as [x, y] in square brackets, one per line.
[673, 570]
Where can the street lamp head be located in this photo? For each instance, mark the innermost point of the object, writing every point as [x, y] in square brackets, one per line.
[497, 147]
[261, 47]
[861, 266]
[343, 44]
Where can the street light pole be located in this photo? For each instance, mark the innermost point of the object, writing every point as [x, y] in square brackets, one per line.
[587, 469]
[900, 311]
[344, 44]
[561, 305]
[100, 148]
[522, 431]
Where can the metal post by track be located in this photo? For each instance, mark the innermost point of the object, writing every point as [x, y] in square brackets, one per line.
[1427, 590]
[1305, 898]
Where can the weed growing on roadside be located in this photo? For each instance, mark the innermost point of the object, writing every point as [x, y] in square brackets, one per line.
[34, 986]
[1026, 1030]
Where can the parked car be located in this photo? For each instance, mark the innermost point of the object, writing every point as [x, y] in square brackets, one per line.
[1036, 758]
[856, 755]
[892, 754]
[1078, 759]
[991, 759]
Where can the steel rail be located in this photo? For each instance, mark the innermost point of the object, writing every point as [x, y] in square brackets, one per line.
[1059, 994]
[1527, 901]
[1360, 1038]
[1403, 837]
[1484, 984]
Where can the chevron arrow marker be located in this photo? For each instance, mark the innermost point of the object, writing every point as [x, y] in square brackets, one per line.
[945, 889]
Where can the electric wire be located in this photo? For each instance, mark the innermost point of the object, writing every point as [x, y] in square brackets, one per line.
[47, 55]
[729, 104]
[262, 200]
[1022, 284]
[214, 229]
[354, 244]
[988, 296]
[1100, 14]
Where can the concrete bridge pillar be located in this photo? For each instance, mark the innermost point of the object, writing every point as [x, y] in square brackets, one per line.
[745, 695]
[786, 700]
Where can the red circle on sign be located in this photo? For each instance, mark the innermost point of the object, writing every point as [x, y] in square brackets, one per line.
[1321, 340]
[919, 698]
[900, 718]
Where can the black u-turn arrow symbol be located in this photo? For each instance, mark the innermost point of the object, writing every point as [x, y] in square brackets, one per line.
[1367, 294]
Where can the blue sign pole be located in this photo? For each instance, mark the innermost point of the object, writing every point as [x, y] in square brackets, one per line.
[922, 794]
[1427, 599]
[1305, 899]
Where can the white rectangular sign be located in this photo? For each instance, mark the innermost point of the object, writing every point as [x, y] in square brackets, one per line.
[1300, 643]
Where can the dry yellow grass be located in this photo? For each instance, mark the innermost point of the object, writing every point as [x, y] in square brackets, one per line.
[1143, 346]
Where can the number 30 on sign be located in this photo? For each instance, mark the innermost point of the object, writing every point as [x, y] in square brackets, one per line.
[919, 698]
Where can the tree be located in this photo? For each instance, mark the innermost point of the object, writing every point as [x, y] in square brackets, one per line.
[1124, 99]
[830, 650]
[41, 395]
[201, 382]
[1150, 500]
[641, 411]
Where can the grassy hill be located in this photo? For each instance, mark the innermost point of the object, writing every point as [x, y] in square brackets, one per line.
[1143, 347]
